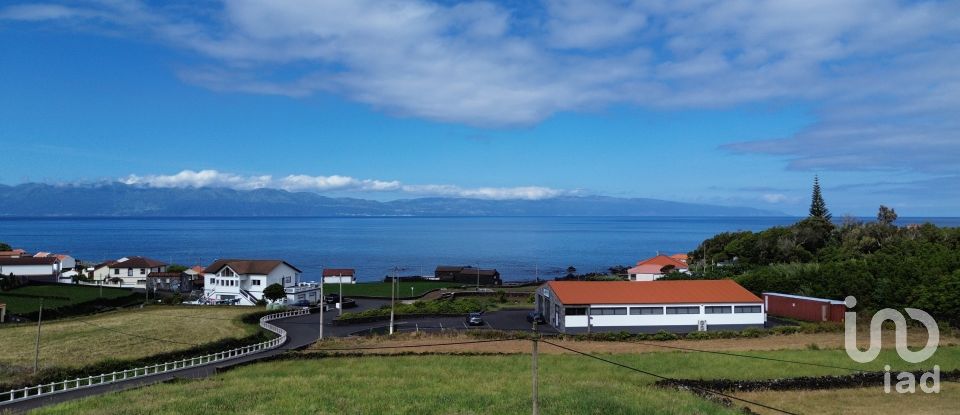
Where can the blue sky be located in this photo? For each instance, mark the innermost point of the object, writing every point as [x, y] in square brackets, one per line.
[735, 102]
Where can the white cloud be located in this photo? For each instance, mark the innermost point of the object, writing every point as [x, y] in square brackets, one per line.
[203, 178]
[320, 184]
[880, 74]
[495, 193]
[774, 197]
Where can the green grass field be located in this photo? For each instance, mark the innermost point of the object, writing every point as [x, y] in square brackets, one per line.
[444, 384]
[81, 341]
[75, 293]
[382, 289]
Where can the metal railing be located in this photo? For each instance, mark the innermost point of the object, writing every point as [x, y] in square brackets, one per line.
[33, 392]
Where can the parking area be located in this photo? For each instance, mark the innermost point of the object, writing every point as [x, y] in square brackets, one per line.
[510, 320]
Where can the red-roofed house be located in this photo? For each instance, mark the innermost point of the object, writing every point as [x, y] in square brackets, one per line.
[651, 306]
[653, 268]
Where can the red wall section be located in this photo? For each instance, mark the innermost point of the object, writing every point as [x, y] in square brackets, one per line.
[807, 310]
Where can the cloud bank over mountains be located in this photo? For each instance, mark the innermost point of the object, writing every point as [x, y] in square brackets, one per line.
[879, 75]
[321, 184]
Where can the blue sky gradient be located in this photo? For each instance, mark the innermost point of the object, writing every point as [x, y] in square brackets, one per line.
[735, 103]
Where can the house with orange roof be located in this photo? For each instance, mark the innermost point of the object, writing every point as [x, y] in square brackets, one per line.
[654, 268]
[679, 306]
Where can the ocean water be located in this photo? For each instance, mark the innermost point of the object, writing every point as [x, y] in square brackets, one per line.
[519, 247]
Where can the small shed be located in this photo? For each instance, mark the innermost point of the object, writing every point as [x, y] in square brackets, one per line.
[804, 308]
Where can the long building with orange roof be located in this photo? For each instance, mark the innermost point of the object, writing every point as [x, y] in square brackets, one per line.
[646, 307]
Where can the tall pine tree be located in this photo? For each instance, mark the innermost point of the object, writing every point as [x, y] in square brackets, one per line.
[818, 208]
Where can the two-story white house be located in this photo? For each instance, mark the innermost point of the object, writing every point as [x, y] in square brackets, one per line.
[128, 271]
[242, 281]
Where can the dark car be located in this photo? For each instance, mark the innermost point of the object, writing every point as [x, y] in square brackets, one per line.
[475, 319]
[331, 298]
[301, 303]
[535, 317]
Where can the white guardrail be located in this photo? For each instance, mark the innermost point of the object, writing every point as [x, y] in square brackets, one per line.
[33, 392]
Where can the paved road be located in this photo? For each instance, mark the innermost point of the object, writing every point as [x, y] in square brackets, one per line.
[301, 331]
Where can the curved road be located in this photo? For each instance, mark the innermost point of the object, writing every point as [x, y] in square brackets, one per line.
[302, 331]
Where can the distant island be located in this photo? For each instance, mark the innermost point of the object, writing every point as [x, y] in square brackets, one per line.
[122, 200]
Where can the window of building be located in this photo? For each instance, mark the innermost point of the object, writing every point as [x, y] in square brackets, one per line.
[287, 280]
[144, 282]
[645, 311]
[116, 271]
[255, 282]
[683, 310]
[300, 296]
[608, 311]
[213, 281]
[129, 272]
[576, 311]
[717, 309]
[143, 271]
[747, 309]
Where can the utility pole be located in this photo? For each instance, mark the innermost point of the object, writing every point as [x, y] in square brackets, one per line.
[536, 381]
[323, 305]
[340, 298]
[36, 355]
[478, 277]
[392, 297]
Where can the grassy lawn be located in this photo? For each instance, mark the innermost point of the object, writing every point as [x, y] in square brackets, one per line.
[75, 293]
[73, 343]
[447, 384]
[382, 289]
[405, 385]
[863, 401]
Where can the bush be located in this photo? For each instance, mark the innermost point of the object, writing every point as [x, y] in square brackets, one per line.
[664, 336]
[699, 335]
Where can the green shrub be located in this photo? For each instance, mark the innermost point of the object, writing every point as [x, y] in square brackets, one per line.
[664, 336]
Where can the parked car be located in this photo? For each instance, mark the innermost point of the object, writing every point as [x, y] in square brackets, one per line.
[474, 319]
[535, 317]
[301, 303]
[331, 298]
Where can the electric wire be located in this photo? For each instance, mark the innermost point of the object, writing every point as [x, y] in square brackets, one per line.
[670, 379]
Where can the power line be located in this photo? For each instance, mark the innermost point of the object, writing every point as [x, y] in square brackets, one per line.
[772, 359]
[136, 335]
[670, 379]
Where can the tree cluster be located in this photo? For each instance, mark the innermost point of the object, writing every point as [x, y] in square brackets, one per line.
[882, 265]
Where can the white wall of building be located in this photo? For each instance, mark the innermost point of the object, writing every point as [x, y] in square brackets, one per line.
[667, 319]
[223, 286]
[346, 279]
[43, 269]
[645, 277]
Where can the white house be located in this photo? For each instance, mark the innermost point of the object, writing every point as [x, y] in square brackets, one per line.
[242, 281]
[67, 262]
[128, 271]
[654, 268]
[651, 306]
[339, 276]
[44, 269]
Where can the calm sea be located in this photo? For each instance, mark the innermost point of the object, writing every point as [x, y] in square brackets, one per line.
[517, 246]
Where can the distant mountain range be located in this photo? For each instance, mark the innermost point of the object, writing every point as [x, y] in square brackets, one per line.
[118, 200]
